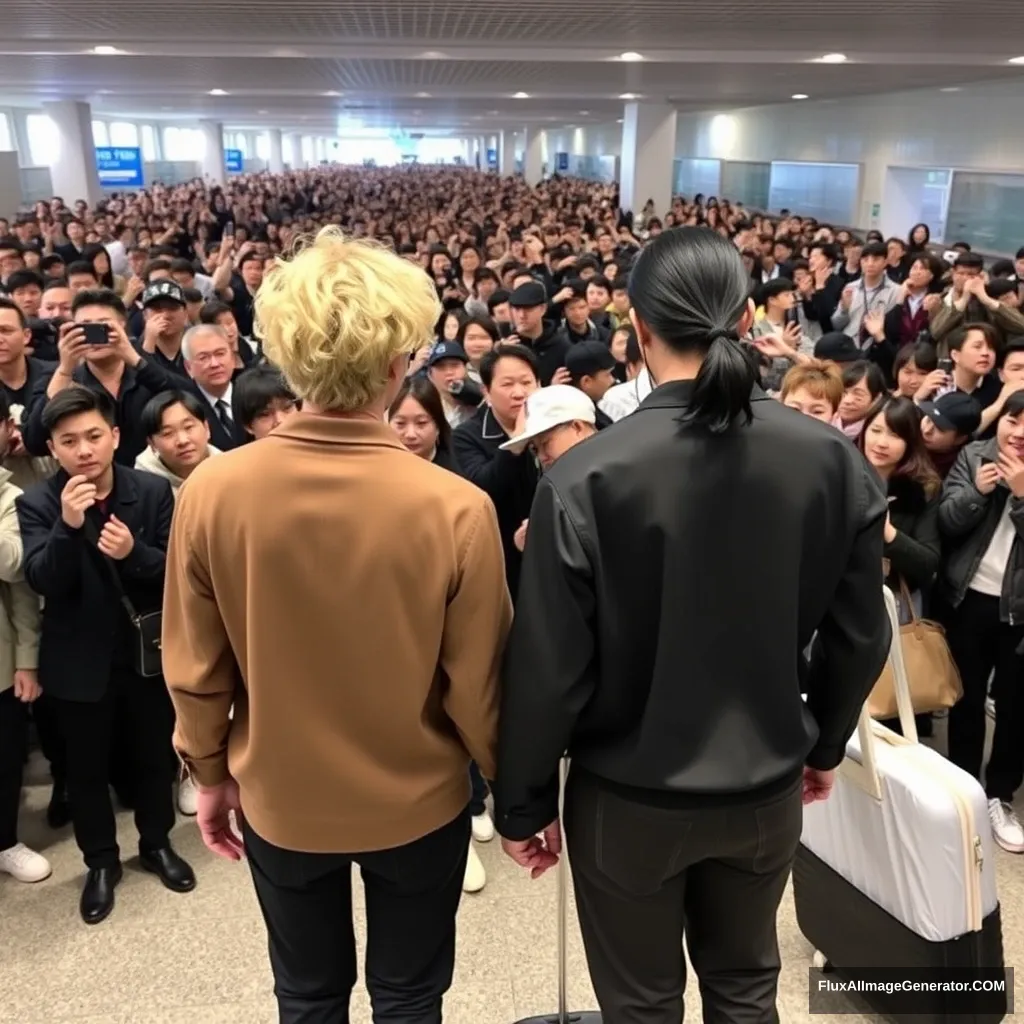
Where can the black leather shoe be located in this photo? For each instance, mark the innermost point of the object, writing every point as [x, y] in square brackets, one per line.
[174, 872]
[58, 813]
[98, 894]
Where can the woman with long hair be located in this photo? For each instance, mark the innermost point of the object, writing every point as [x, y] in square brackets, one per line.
[477, 335]
[418, 419]
[98, 258]
[652, 647]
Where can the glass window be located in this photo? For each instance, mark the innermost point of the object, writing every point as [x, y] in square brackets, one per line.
[827, 192]
[263, 146]
[6, 142]
[693, 176]
[43, 140]
[100, 137]
[985, 210]
[149, 143]
[124, 133]
[747, 182]
[184, 143]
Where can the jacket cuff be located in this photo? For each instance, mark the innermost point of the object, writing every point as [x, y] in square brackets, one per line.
[824, 758]
[26, 656]
[208, 771]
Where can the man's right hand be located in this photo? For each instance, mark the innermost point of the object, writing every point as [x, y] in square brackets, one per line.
[987, 477]
[77, 496]
[847, 298]
[214, 805]
[71, 347]
[817, 785]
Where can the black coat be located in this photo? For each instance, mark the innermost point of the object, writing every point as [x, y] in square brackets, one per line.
[659, 640]
[85, 629]
[509, 479]
[914, 554]
[138, 386]
[550, 349]
[220, 437]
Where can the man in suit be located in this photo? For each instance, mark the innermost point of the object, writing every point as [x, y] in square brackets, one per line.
[94, 534]
[210, 362]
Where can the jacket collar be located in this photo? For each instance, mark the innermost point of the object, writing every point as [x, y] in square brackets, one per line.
[676, 394]
[490, 428]
[338, 430]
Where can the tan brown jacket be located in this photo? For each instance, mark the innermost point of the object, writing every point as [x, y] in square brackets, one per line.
[349, 599]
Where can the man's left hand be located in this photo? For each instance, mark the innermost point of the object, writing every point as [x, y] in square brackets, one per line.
[538, 853]
[116, 540]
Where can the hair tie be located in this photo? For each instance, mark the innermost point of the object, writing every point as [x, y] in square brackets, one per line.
[721, 333]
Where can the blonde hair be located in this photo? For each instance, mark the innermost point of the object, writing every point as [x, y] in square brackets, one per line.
[334, 317]
[823, 380]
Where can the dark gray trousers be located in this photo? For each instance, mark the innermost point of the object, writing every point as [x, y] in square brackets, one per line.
[644, 875]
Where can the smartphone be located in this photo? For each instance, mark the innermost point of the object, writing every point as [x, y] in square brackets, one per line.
[987, 460]
[96, 334]
[229, 230]
[946, 365]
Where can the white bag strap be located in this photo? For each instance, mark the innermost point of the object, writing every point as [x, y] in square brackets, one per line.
[864, 773]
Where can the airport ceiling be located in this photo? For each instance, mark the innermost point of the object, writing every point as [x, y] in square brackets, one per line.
[470, 66]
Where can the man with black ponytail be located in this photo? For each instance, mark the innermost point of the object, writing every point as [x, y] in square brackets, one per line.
[668, 662]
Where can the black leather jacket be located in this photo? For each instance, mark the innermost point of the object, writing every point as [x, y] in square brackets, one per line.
[671, 581]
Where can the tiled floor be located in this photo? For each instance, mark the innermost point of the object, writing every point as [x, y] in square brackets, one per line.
[163, 958]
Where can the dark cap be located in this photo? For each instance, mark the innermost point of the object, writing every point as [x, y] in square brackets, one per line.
[954, 411]
[836, 347]
[165, 289]
[497, 298]
[447, 350]
[586, 358]
[577, 287]
[528, 295]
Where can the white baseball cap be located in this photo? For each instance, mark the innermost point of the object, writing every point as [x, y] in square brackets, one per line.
[551, 407]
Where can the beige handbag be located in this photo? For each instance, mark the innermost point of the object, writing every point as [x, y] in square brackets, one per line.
[933, 675]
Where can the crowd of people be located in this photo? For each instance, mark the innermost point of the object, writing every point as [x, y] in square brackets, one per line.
[141, 338]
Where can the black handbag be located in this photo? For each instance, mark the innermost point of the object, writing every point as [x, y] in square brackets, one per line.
[147, 659]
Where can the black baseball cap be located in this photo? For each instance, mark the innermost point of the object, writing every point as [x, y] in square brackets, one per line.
[836, 347]
[447, 350]
[163, 290]
[528, 295]
[954, 411]
[586, 358]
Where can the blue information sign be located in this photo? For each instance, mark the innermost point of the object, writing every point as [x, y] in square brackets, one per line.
[119, 166]
[561, 161]
[233, 161]
[492, 158]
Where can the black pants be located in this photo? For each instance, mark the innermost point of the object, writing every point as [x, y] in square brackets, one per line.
[44, 715]
[478, 801]
[412, 896]
[645, 875]
[137, 712]
[979, 643]
[13, 746]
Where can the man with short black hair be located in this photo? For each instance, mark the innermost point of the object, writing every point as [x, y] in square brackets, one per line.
[113, 366]
[73, 249]
[179, 437]
[12, 258]
[969, 301]
[874, 293]
[590, 365]
[56, 301]
[25, 287]
[184, 272]
[165, 312]
[96, 535]
[577, 325]
[81, 277]
[261, 401]
[529, 303]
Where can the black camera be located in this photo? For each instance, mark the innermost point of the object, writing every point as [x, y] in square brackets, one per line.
[45, 335]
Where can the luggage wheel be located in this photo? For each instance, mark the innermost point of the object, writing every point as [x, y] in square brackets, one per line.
[821, 962]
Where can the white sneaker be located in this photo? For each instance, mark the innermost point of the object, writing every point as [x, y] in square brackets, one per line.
[483, 828]
[990, 707]
[187, 797]
[24, 864]
[1006, 827]
[475, 877]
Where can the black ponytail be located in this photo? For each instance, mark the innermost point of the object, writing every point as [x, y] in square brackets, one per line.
[690, 288]
[725, 381]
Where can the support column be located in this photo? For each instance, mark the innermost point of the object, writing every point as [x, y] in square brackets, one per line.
[276, 162]
[648, 154]
[74, 175]
[507, 153]
[213, 152]
[296, 146]
[533, 156]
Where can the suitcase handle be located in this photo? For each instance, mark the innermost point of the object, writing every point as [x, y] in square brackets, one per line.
[864, 773]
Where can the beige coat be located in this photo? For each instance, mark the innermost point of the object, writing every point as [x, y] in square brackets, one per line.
[149, 462]
[19, 606]
[349, 599]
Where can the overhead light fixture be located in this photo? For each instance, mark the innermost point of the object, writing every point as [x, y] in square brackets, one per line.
[106, 51]
[521, 96]
[628, 96]
[800, 96]
[832, 58]
[261, 111]
[631, 56]
[433, 55]
[332, 92]
[950, 88]
[423, 95]
[1016, 60]
[619, 121]
[218, 92]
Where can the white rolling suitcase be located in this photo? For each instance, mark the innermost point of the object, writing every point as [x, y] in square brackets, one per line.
[896, 868]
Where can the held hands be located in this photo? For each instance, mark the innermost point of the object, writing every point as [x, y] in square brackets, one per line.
[536, 854]
[77, 496]
[116, 540]
[214, 805]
